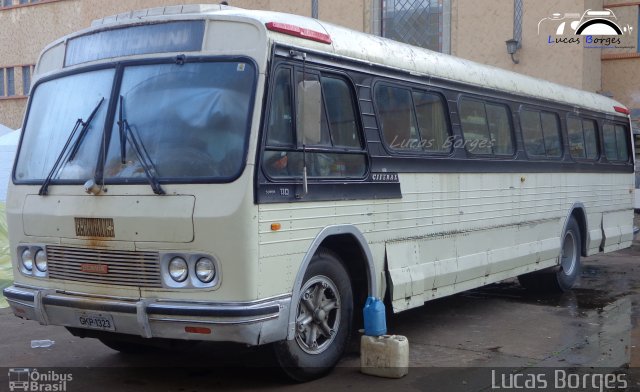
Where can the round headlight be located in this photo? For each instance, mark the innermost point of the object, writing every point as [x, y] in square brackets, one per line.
[205, 270]
[27, 259]
[178, 269]
[41, 261]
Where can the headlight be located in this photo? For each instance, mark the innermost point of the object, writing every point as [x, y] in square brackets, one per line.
[205, 270]
[178, 269]
[41, 261]
[27, 259]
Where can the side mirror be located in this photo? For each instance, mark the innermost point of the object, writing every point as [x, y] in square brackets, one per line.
[309, 108]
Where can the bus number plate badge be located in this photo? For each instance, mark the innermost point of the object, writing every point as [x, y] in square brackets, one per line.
[101, 321]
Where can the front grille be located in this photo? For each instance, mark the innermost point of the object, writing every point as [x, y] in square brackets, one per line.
[114, 267]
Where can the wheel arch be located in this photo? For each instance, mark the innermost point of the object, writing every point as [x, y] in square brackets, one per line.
[578, 212]
[345, 241]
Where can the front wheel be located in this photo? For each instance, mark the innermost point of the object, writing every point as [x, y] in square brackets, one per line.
[562, 277]
[324, 311]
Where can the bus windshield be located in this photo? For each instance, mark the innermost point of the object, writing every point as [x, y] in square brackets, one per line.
[189, 120]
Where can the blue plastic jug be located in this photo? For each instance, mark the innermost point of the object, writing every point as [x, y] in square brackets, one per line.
[375, 323]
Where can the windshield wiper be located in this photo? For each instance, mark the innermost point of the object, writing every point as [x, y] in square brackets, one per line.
[44, 189]
[126, 133]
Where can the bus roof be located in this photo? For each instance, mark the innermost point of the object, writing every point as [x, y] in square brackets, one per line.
[359, 46]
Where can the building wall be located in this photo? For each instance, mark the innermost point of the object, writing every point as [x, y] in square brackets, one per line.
[621, 67]
[29, 28]
[479, 34]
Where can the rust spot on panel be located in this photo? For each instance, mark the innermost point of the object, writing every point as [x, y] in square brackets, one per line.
[95, 242]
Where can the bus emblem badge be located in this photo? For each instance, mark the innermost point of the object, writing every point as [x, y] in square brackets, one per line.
[94, 268]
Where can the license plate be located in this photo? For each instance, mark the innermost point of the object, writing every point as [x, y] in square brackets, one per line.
[96, 321]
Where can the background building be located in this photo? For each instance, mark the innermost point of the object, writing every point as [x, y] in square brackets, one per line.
[465, 28]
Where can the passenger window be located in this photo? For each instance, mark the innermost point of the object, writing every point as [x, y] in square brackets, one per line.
[609, 139]
[486, 128]
[432, 121]
[397, 119]
[474, 127]
[532, 133]
[412, 120]
[341, 113]
[551, 133]
[615, 142]
[583, 140]
[280, 126]
[500, 129]
[622, 134]
[541, 133]
[336, 147]
[576, 138]
[590, 139]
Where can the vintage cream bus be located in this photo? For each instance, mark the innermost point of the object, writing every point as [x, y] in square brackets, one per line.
[203, 172]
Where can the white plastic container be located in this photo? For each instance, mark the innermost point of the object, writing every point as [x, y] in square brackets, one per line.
[384, 356]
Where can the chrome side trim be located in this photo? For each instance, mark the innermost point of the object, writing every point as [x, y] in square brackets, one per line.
[212, 322]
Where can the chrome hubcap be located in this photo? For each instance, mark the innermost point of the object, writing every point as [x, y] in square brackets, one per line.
[569, 254]
[318, 316]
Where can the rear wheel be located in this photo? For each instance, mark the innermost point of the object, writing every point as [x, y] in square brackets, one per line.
[562, 277]
[324, 312]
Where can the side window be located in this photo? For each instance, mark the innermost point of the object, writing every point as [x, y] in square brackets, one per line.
[280, 125]
[589, 128]
[532, 133]
[474, 127]
[432, 121]
[331, 145]
[541, 133]
[551, 133]
[583, 139]
[615, 142]
[576, 138]
[341, 113]
[397, 118]
[500, 129]
[609, 139]
[486, 128]
[622, 134]
[412, 120]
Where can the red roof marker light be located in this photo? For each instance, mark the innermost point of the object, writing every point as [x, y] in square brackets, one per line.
[300, 32]
[622, 110]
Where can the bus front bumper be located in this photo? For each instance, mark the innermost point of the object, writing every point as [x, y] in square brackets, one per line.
[253, 323]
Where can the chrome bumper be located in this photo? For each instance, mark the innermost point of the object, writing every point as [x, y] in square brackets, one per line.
[254, 323]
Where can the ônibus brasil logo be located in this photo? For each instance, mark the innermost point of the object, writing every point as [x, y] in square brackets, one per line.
[32, 380]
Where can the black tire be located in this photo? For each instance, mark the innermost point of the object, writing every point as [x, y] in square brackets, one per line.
[311, 355]
[562, 277]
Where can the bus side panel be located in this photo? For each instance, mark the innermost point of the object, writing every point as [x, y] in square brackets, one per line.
[617, 227]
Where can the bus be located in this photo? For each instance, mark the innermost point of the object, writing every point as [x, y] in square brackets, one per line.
[209, 173]
[18, 379]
